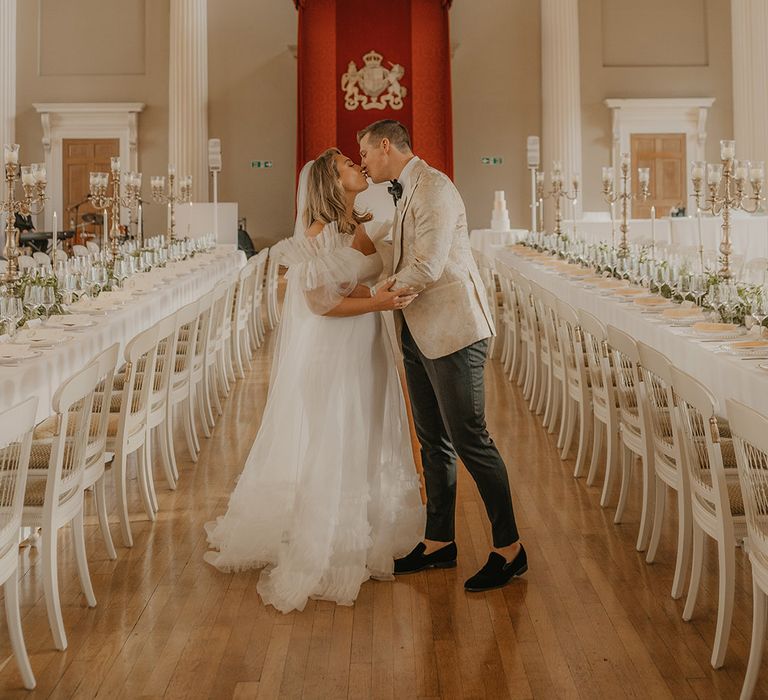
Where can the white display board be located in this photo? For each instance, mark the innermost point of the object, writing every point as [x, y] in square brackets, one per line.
[196, 219]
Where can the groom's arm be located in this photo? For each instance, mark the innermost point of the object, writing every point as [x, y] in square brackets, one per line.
[434, 221]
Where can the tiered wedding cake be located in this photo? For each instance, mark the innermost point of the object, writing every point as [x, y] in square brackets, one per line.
[500, 216]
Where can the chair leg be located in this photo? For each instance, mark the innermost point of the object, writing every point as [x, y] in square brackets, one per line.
[162, 434]
[585, 431]
[51, 587]
[15, 631]
[213, 392]
[143, 470]
[658, 520]
[759, 610]
[613, 441]
[684, 532]
[236, 358]
[649, 483]
[120, 468]
[201, 412]
[78, 534]
[565, 416]
[169, 444]
[189, 426]
[100, 502]
[570, 429]
[696, 567]
[727, 581]
[626, 472]
[598, 428]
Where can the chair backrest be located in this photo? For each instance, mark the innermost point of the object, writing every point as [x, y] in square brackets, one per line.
[187, 321]
[25, 261]
[572, 343]
[41, 258]
[750, 438]
[261, 272]
[16, 424]
[106, 363]
[273, 271]
[598, 359]
[549, 312]
[72, 404]
[202, 339]
[166, 357]
[92, 247]
[659, 399]
[80, 251]
[221, 294]
[246, 279]
[626, 359]
[705, 445]
[140, 358]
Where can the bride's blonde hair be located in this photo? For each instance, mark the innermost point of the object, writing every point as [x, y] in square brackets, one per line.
[326, 201]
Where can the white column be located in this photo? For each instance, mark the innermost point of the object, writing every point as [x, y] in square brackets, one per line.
[7, 71]
[188, 93]
[561, 89]
[749, 27]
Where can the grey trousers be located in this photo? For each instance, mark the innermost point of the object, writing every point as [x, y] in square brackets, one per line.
[448, 400]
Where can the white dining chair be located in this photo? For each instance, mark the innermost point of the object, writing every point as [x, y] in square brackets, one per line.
[510, 320]
[486, 267]
[198, 377]
[41, 258]
[518, 373]
[717, 505]
[16, 424]
[750, 440]
[92, 247]
[54, 494]
[257, 328]
[605, 406]
[667, 461]
[539, 397]
[634, 430]
[179, 393]
[554, 407]
[241, 350]
[25, 262]
[127, 428]
[80, 251]
[577, 398]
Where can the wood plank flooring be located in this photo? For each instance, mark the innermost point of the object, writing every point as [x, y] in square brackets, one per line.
[590, 620]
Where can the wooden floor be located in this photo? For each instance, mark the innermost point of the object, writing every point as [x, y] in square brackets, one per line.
[591, 619]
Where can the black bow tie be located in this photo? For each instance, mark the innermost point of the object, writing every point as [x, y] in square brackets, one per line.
[396, 190]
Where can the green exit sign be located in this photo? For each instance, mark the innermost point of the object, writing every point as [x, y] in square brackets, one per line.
[261, 163]
[491, 160]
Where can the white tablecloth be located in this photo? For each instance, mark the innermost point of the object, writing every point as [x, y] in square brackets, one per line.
[484, 239]
[178, 284]
[600, 231]
[725, 376]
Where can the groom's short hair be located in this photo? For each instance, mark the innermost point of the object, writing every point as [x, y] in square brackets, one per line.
[387, 129]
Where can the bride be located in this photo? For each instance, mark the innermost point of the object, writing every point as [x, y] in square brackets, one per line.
[329, 494]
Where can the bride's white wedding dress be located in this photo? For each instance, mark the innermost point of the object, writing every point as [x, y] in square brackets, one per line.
[329, 493]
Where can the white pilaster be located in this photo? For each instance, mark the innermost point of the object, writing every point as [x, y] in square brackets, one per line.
[188, 93]
[561, 90]
[749, 27]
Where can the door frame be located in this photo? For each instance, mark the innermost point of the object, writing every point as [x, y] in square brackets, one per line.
[85, 120]
[678, 115]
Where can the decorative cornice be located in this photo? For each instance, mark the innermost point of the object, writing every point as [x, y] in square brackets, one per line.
[89, 107]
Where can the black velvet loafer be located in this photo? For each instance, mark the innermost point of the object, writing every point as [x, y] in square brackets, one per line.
[497, 572]
[443, 558]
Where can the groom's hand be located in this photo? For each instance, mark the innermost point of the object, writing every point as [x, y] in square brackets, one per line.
[388, 299]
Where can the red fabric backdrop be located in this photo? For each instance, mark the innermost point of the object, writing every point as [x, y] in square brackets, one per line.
[413, 33]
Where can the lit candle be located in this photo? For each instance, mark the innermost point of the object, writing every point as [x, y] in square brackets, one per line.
[653, 231]
[697, 169]
[41, 176]
[757, 172]
[727, 150]
[607, 175]
[11, 153]
[741, 168]
[644, 175]
[27, 176]
[54, 236]
[172, 170]
[106, 231]
[714, 173]
[141, 225]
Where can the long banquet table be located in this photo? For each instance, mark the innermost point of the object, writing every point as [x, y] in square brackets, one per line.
[177, 284]
[726, 376]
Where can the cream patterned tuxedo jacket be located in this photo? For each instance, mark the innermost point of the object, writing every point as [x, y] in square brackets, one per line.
[431, 253]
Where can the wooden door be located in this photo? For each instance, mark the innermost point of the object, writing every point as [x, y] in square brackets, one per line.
[664, 155]
[81, 157]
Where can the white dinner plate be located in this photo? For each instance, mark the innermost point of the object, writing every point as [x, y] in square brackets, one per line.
[41, 337]
[73, 321]
[12, 353]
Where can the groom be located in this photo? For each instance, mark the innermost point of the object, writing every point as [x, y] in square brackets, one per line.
[445, 336]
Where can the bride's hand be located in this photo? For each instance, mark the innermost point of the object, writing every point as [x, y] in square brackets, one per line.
[386, 299]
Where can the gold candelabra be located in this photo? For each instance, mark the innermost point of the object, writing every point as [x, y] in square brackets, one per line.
[729, 177]
[33, 183]
[111, 203]
[171, 197]
[625, 196]
[556, 194]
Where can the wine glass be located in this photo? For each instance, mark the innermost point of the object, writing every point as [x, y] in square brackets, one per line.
[759, 306]
[47, 300]
[12, 312]
[32, 299]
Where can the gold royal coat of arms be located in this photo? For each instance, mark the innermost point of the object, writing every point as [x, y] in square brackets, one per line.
[373, 86]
